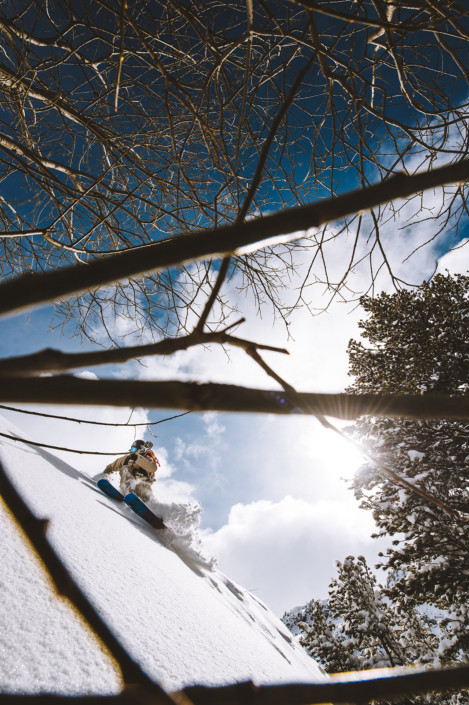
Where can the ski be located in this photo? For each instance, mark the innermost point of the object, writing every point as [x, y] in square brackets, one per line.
[145, 512]
[109, 490]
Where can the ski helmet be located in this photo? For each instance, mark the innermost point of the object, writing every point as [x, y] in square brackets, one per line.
[137, 445]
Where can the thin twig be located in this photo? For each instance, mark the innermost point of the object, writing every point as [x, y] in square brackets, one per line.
[121, 50]
[268, 370]
[395, 477]
[67, 450]
[222, 272]
[391, 26]
[257, 176]
[256, 179]
[93, 423]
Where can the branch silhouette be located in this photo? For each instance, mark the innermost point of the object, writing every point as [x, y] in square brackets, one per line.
[49, 360]
[191, 396]
[35, 530]
[32, 289]
[93, 423]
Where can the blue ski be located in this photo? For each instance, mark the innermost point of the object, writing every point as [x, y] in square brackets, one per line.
[109, 490]
[145, 512]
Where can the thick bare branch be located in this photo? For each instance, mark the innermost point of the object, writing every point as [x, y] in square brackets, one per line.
[33, 289]
[35, 531]
[189, 396]
[360, 691]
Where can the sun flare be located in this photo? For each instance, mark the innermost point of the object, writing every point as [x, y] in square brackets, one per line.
[335, 454]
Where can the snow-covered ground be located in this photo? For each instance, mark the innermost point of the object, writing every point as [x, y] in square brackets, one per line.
[183, 620]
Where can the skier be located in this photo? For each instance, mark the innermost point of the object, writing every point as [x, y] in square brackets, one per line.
[137, 470]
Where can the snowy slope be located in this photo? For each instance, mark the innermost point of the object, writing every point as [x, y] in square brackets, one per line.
[184, 622]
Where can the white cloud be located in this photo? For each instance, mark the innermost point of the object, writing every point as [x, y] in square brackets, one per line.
[286, 550]
[86, 374]
[457, 260]
[206, 452]
[318, 360]
[166, 468]
[214, 429]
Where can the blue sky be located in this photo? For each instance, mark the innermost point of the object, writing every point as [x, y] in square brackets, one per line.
[275, 508]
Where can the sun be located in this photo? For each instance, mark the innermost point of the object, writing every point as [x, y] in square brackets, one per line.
[335, 454]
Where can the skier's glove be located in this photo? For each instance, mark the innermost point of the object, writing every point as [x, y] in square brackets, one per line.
[132, 457]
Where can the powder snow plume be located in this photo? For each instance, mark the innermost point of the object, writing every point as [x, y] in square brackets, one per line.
[184, 520]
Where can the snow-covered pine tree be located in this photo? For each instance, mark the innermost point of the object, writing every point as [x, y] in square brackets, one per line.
[366, 620]
[417, 340]
[431, 546]
[322, 637]
[357, 628]
[419, 343]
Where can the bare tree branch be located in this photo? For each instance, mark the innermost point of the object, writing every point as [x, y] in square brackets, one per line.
[93, 423]
[33, 289]
[190, 396]
[226, 110]
[67, 450]
[396, 27]
[395, 477]
[362, 691]
[49, 360]
[35, 531]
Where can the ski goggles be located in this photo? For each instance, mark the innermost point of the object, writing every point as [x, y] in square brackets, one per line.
[146, 446]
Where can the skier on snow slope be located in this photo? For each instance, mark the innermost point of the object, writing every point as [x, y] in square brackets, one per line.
[137, 470]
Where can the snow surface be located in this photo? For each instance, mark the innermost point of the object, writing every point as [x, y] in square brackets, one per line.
[182, 619]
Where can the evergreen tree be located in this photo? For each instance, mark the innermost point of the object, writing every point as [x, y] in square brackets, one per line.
[322, 638]
[368, 623]
[358, 627]
[418, 343]
[432, 546]
[417, 340]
